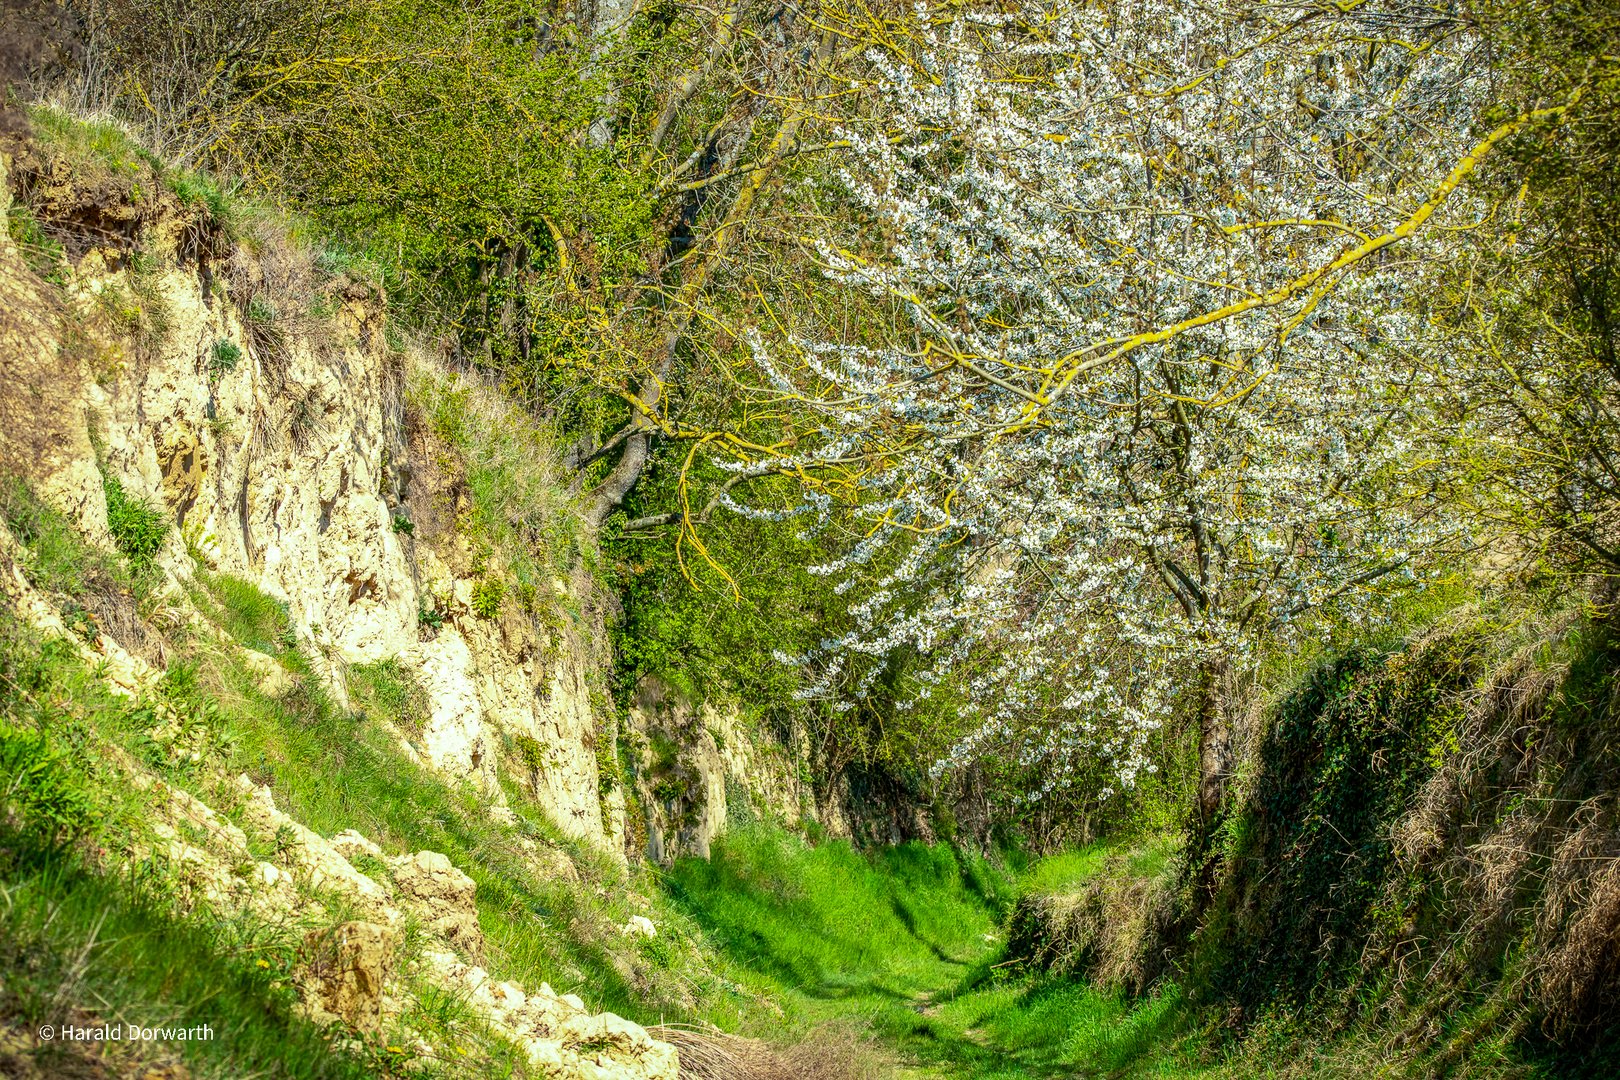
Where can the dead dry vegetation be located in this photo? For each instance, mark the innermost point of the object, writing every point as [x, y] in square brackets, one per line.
[829, 1053]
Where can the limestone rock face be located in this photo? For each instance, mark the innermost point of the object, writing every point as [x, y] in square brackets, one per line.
[697, 763]
[442, 896]
[285, 467]
[284, 447]
[345, 969]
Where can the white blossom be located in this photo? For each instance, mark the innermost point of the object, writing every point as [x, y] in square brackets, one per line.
[1133, 424]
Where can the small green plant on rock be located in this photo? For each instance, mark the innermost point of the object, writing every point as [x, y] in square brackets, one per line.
[609, 772]
[530, 752]
[137, 527]
[487, 596]
[223, 358]
[429, 616]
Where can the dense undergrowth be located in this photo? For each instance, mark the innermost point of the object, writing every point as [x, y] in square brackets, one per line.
[1414, 876]
[1428, 843]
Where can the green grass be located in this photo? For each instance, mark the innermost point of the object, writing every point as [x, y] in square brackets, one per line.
[70, 938]
[238, 607]
[78, 944]
[904, 943]
[388, 687]
[1065, 869]
[95, 143]
[1016, 1028]
[334, 770]
[55, 557]
[831, 922]
[525, 527]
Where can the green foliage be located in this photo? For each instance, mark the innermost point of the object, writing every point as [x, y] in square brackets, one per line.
[530, 753]
[1347, 754]
[431, 190]
[40, 250]
[721, 636]
[96, 146]
[37, 785]
[403, 525]
[137, 527]
[222, 202]
[487, 595]
[1397, 862]
[609, 770]
[223, 357]
[429, 615]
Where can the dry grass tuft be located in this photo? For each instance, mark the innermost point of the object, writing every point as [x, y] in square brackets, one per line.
[1107, 929]
[826, 1054]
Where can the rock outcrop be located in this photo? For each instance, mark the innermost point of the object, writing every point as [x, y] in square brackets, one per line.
[259, 403]
[698, 766]
[442, 896]
[345, 968]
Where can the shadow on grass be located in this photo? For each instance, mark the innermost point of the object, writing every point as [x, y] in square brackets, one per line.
[901, 942]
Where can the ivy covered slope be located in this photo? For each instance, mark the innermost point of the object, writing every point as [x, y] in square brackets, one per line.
[1415, 875]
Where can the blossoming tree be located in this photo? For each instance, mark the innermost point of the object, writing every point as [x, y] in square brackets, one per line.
[1149, 401]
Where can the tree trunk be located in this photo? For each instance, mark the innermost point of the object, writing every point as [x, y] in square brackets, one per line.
[1214, 741]
[638, 447]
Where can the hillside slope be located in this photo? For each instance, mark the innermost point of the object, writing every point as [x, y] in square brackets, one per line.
[1416, 876]
[304, 674]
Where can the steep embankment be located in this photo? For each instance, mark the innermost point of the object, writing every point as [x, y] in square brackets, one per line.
[249, 387]
[1418, 874]
[302, 672]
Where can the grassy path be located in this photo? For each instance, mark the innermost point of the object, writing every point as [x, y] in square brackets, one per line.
[904, 947]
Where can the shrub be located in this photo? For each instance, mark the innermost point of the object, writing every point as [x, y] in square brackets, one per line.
[405, 525]
[138, 528]
[224, 357]
[487, 596]
[609, 771]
